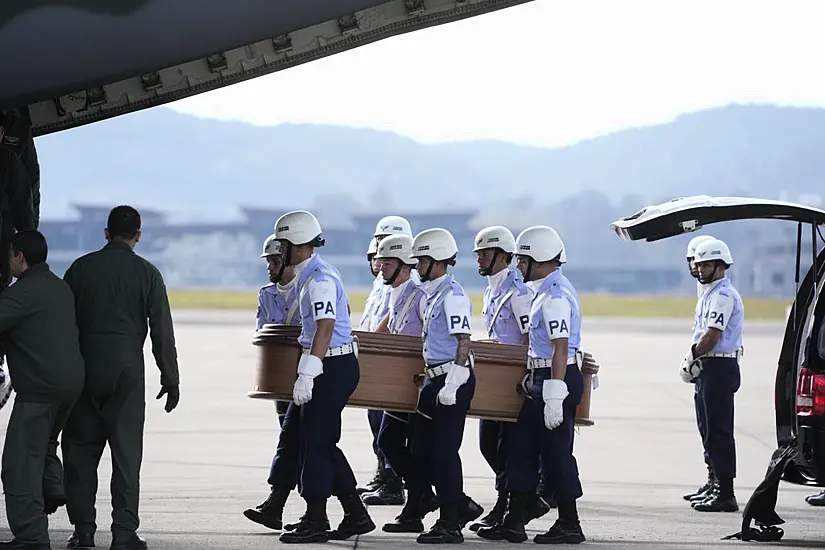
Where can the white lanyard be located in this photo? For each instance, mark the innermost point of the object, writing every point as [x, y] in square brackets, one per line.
[429, 312]
[291, 311]
[503, 301]
[399, 320]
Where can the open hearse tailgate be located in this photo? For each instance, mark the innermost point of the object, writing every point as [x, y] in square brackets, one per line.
[688, 214]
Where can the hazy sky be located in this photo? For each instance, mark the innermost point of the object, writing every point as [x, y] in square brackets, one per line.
[551, 72]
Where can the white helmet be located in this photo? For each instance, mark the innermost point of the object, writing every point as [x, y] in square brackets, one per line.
[271, 247]
[541, 243]
[392, 225]
[299, 227]
[372, 248]
[396, 246]
[711, 250]
[438, 244]
[496, 236]
[694, 242]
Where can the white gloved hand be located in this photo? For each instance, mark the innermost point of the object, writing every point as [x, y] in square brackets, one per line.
[553, 392]
[690, 368]
[309, 367]
[456, 378]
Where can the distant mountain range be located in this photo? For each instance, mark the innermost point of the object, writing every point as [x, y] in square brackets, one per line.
[163, 159]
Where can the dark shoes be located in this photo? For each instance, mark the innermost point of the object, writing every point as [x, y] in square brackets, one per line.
[15, 544]
[129, 542]
[270, 512]
[81, 540]
[816, 500]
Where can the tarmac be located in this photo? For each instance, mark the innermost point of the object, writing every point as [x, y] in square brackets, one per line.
[208, 460]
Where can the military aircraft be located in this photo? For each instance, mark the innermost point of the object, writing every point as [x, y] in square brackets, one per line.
[74, 62]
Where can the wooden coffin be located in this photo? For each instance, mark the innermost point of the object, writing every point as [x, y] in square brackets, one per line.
[389, 363]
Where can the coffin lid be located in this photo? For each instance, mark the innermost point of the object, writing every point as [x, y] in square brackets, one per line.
[687, 214]
[74, 62]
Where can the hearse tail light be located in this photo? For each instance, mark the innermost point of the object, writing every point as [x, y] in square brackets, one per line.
[810, 394]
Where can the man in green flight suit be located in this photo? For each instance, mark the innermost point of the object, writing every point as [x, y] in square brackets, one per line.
[37, 323]
[116, 291]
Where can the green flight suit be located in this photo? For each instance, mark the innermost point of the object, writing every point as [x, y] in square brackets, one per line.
[119, 298]
[16, 211]
[37, 323]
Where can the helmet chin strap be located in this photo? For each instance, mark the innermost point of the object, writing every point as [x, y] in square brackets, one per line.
[426, 275]
[712, 276]
[529, 270]
[486, 271]
[394, 275]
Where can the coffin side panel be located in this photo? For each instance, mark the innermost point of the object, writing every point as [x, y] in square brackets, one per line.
[389, 364]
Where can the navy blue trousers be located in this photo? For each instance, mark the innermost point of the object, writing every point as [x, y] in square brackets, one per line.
[701, 422]
[437, 433]
[281, 407]
[531, 441]
[283, 473]
[325, 470]
[719, 381]
[394, 441]
[493, 442]
[375, 417]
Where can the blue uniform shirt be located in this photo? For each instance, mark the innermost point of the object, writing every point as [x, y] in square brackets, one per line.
[446, 312]
[555, 312]
[370, 306]
[720, 307]
[277, 304]
[405, 315]
[508, 299]
[382, 306]
[322, 296]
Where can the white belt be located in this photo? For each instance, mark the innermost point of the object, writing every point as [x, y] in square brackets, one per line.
[432, 372]
[537, 363]
[346, 349]
[734, 354]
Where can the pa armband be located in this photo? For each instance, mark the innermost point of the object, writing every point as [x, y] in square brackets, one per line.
[458, 310]
[322, 299]
[720, 310]
[520, 304]
[556, 314]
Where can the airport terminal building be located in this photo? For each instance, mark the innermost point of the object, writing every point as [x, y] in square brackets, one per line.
[226, 255]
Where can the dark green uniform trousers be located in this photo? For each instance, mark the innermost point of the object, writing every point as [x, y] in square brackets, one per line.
[32, 472]
[116, 419]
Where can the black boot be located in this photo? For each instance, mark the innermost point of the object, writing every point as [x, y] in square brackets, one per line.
[495, 516]
[377, 481]
[468, 510]
[129, 541]
[703, 490]
[409, 520]
[270, 512]
[15, 544]
[446, 530]
[312, 527]
[511, 528]
[709, 494]
[723, 500]
[81, 539]
[391, 493]
[816, 500]
[357, 520]
[536, 508]
[566, 530]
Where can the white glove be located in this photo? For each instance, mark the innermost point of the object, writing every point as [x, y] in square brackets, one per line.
[690, 368]
[309, 367]
[553, 393]
[457, 377]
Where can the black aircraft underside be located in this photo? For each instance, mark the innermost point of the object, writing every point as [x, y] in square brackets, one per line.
[74, 62]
